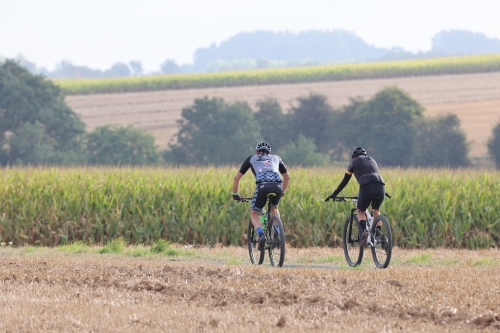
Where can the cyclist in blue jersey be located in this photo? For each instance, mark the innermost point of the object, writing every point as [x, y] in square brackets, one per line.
[266, 169]
[371, 187]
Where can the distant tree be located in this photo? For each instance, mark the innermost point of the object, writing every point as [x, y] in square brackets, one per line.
[343, 131]
[274, 124]
[36, 126]
[262, 63]
[118, 70]
[169, 66]
[455, 42]
[214, 132]
[108, 145]
[384, 126]
[67, 69]
[440, 142]
[303, 153]
[313, 118]
[136, 68]
[494, 145]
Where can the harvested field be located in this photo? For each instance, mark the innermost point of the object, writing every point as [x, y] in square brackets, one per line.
[475, 98]
[211, 289]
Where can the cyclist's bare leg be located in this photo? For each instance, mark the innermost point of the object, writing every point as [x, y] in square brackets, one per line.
[376, 212]
[275, 211]
[255, 217]
[361, 215]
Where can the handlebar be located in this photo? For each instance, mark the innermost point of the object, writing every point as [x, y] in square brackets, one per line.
[344, 199]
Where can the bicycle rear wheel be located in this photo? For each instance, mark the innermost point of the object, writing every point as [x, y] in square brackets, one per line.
[382, 249]
[256, 256]
[276, 241]
[353, 251]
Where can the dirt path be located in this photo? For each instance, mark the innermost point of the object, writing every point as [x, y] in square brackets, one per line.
[475, 98]
[431, 291]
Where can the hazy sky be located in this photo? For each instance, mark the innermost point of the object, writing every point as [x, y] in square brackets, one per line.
[99, 33]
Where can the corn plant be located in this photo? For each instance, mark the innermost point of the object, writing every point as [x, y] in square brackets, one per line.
[190, 205]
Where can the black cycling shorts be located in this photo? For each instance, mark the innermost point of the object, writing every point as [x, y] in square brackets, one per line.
[367, 193]
[260, 195]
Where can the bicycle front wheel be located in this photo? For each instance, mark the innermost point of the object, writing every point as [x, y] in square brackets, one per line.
[353, 251]
[256, 256]
[382, 244]
[276, 242]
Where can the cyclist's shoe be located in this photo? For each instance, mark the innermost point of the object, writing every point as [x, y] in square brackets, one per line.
[262, 243]
[363, 236]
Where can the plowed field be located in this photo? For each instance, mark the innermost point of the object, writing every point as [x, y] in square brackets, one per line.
[475, 98]
[210, 290]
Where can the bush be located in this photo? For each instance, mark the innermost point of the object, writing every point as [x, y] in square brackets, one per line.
[440, 142]
[115, 246]
[159, 246]
[313, 118]
[108, 145]
[303, 153]
[384, 126]
[273, 122]
[214, 132]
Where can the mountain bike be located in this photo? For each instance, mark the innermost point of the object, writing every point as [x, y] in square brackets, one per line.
[379, 237]
[274, 233]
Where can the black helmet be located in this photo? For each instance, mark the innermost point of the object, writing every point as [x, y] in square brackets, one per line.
[358, 151]
[263, 147]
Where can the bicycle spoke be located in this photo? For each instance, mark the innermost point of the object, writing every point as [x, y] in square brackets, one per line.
[352, 250]
[382, 251]
[276, 242]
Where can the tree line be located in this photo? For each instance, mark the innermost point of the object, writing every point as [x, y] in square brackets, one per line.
[390, 125]
[38, 128]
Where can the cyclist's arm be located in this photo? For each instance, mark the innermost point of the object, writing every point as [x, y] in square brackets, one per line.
[236, 182]
[286, 181]
[286, 176]
[343, 183]
[243, 169]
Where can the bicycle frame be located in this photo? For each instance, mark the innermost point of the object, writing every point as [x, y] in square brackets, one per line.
[264, 211]
[369, 221]
[376, 237]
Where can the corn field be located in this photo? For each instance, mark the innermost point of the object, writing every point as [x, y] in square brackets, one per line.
[52, 206]
[339, 72]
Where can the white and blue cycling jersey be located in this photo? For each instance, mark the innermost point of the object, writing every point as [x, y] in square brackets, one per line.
[265, 167]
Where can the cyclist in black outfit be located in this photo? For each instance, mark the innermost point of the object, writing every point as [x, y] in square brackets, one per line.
[371, 187]
[266, 169]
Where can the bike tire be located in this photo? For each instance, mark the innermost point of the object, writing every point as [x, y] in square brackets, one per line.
[256, 256]
[276, 242]
[353, 252]
[382, 250]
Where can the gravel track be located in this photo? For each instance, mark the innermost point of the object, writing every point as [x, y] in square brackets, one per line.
[431, 291]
